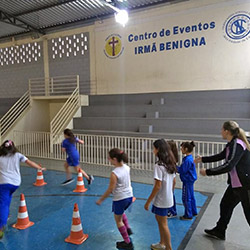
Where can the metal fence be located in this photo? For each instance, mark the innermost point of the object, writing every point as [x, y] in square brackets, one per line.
[54, 86]
[95, 148]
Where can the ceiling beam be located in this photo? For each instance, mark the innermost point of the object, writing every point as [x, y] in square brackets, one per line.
[12, 20]
[61, 2]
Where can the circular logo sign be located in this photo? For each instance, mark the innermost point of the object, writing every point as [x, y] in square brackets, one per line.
[113, 46]
[237, 27]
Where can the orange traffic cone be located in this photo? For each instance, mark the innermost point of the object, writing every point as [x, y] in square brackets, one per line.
[76, 235]
[39, 179]
[23, 221]
[80, 188]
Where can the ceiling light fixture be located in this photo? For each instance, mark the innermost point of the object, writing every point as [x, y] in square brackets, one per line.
[121, 16]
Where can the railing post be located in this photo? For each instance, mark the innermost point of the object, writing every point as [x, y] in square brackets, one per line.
[51, 142]
[46, 86]
[52, 85]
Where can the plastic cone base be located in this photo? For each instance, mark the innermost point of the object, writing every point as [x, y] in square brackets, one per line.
[39, 185]
[23, 226]
[82, 190]
[78, 241]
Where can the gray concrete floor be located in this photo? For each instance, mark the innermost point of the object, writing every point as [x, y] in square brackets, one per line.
[238, 233]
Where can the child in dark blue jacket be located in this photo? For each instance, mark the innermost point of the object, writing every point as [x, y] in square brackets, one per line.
[188, 177]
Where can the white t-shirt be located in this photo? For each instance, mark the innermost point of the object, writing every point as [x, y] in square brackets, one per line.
[123, 187]
[10, 169]
[164, 198]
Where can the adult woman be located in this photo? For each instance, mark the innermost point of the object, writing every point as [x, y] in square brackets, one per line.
[237, 165]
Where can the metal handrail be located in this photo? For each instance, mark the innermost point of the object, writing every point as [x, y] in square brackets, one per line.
[65, 114]
[59, 85]
[9, 119]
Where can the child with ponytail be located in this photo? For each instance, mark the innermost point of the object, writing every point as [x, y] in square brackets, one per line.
[188, 176]
[69, 146]
[10, 177]
[120, 187]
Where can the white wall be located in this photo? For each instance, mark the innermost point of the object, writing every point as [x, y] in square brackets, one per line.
[217, 64]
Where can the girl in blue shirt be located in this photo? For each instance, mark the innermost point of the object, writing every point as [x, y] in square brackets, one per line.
[188, 177]
[69, 146]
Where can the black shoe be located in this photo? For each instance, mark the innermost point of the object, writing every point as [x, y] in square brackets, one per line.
[129, 231]
[67, 182]
[124, 245]
[91, 178]
[214, 233]
[185, 218]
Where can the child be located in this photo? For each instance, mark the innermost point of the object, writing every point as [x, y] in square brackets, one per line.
[162, 193]
[172, 212]
[69, 146]
[120, 187]
[188, 177]
[10, 177]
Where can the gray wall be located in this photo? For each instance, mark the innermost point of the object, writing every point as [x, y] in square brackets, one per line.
[69, 55]
[17, 65]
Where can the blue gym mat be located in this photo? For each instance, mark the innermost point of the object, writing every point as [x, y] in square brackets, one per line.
[51, 207]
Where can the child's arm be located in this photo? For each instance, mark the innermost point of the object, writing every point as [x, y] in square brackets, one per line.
[112, 184]
[63, 149]
[34, 165]
[157, 187]
[184, 167]
[80, 141]
[174, 183]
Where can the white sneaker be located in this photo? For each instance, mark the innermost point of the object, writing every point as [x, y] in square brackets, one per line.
[157, 246]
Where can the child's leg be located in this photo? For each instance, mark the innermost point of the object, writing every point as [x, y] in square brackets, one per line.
[172, 210]
[164, 231]
[68, 173]
[77, 168]
[121, 227]
[186, 199]
[193, 202]
[5, 200]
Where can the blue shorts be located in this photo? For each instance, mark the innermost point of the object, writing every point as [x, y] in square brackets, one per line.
[6, 191]
[73, 161]
[159, 211]
[118, 207]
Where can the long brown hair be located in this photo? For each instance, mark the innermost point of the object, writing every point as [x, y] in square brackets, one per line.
[70, 134]
[165, 155]
[8, 148]
[174, 149]
[237, 132]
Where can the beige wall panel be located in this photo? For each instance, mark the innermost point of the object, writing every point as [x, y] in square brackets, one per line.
[219, 64]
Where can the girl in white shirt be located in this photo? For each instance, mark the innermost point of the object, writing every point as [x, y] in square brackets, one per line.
[10, 177]
[162, 193]
[120, 187]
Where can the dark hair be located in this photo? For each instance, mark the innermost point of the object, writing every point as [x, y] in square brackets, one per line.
[174, 149]
[188, 145]
[69, 133]
[237, 132]
[118, 154]
[165, 155]
[8, 147]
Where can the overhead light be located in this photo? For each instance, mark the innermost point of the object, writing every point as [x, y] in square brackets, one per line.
[121, 16]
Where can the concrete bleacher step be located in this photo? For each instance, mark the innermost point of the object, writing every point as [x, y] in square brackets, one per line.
[161, 125]
[175, 109]
[196, 115]
[238, 95]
